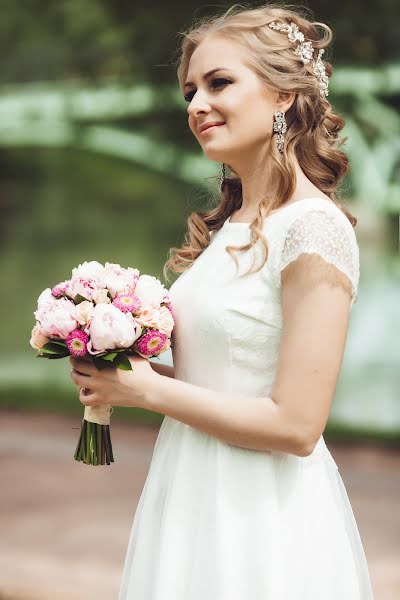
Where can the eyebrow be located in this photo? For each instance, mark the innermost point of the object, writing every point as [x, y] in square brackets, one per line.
[190, 83]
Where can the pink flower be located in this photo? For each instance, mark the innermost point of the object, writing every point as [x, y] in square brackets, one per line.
[57, 319]
[38, 340]
[77, 342]
[60, 289]
[45, 298]
[119, 280]
[127, 303]
[84, 286]
[151, 343]
[110, 328]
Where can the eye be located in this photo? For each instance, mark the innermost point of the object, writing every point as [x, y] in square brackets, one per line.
[215, 83]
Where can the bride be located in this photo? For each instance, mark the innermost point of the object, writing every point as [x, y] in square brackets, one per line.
[243, 500]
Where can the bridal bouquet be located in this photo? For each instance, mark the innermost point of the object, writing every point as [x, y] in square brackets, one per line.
[103, 313]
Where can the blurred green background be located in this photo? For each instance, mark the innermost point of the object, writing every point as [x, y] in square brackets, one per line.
[98, 163]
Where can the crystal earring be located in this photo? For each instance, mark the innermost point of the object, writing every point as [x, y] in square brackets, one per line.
[280, 128]
[222, 177]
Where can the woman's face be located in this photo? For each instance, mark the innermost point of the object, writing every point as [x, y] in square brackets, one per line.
[234, 96]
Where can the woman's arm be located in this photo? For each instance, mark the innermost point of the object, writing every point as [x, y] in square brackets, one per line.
[315, 304]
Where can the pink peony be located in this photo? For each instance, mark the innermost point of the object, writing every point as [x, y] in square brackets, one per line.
[57, 319]
[60, 289]
[110, 328]
[84, 286]
[151, 343]
[127, 303]
[45, 298]
[38, 340]
[119, 280]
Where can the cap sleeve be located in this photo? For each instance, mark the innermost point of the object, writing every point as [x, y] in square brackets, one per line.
[329, 235]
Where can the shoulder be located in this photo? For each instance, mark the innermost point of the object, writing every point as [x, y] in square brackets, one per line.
[315, 226]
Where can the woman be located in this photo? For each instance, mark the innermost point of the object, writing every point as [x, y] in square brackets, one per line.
[243, 500]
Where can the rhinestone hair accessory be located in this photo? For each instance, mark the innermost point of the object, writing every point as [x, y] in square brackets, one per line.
[305, 51]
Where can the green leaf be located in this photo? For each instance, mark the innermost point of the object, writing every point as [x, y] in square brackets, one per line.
[48, 355]
[58, 343]
[78, 299]
[51, 348]
[123, 362]
[110, 356]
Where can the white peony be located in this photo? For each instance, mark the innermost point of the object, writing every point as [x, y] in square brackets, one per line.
[38, 340]
[91, 269]
[101, 297]
[84, 312]
[157, 318]
[110, 328]
[150, 291]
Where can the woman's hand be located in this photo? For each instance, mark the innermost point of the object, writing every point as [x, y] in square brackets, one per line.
[112, 386]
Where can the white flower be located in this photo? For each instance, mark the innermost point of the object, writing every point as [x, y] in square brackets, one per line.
[84, 312]
[150, 291]
[89, 269]
[38, 340]
[101, 297]
[110, 328]
[154, 318]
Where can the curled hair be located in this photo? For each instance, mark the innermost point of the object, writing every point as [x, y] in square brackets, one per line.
[312, 126]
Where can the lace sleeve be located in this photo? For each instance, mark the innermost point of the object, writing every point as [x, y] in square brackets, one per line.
[324, 234]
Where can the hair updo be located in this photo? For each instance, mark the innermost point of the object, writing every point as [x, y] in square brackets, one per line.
[312, 126]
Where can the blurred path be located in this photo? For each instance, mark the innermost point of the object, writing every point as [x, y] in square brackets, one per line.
[65, 526]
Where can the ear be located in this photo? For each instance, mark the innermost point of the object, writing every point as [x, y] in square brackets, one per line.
[285, 100]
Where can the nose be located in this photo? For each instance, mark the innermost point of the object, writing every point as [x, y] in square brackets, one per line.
[199, 105]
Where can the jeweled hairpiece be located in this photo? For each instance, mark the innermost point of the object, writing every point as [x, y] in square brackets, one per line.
[305, 51]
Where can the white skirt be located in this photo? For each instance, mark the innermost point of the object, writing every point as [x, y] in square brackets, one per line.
[220, 522]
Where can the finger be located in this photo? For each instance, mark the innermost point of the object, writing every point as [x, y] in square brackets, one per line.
[83, 381]
[88, 397]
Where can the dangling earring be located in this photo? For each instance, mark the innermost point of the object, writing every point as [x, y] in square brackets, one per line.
[222, 177]
[280, 128]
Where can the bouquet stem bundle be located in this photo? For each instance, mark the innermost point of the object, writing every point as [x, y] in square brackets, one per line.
[94, 445]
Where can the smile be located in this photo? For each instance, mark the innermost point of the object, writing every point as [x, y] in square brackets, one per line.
[213, 127]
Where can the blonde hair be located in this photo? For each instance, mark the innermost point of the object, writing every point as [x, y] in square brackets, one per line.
[312, 126]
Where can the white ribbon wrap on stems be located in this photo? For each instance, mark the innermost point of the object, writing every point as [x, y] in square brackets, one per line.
[98, 414]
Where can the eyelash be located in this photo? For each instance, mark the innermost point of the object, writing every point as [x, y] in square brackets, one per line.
[189, 96]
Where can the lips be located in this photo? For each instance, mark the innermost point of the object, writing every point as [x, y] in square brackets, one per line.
[206, 126]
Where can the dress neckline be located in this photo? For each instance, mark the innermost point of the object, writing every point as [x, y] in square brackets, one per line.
[240, 224]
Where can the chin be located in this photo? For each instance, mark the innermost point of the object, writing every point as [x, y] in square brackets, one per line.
[216, 155]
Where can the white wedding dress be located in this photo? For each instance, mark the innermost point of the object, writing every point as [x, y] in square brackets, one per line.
[220, 522]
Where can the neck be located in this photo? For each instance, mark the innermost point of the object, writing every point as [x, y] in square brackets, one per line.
[257, 181]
